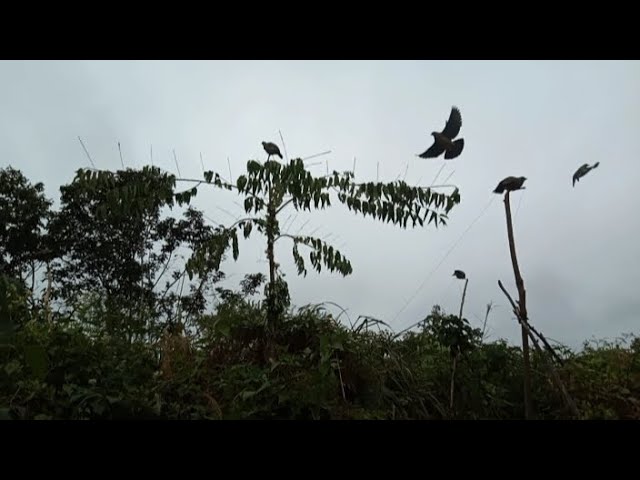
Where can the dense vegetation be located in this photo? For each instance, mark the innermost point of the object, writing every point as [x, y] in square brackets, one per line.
[110, 307]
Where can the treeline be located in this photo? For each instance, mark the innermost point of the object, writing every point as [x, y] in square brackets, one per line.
[110, 307]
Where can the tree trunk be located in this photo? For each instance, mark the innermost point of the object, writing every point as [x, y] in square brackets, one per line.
[272, 311]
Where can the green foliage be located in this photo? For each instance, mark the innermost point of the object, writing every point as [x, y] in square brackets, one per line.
[13, 306]
[452, 332]
[111, 240]
[121, 345]
[270, 187]
[24, 211]
[312, 368]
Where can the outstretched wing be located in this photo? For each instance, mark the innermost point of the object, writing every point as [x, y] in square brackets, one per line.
[433, 151]
[581, 172]
[453, 125]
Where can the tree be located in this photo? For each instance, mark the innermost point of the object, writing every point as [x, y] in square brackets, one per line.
[24, 211]
[111, 241]
[270, 187]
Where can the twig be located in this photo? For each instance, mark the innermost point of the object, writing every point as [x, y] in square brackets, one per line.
[342, 311]
[406, 171]
[175, 158]
[549, 348]
[455, 358]
[554, 375]
[344, 396]
[229, 165]
[121, 160]
[286, 156]
[486, 317]
[316, 155]
[438, 174]
[87, 152]
[447, 179]
[302, 226]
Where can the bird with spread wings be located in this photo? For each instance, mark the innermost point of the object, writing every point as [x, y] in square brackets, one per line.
[582, 171]
[443, 142]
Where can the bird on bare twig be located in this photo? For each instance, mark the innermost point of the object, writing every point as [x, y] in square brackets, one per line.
[271, 149]
[510, 184]
[443, 141]
[459, 274]
[582, 171]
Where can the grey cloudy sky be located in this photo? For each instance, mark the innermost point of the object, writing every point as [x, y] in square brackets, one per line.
[577, 246]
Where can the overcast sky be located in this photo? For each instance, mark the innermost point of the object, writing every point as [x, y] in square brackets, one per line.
[578, 248]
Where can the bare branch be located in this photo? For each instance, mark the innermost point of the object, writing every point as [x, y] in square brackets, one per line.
[120, 151]
[175, 158]
[87, 153]
[286, 157]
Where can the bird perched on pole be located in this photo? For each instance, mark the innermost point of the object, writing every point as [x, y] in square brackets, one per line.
[443, 141]
[582, 171]
[510, 184]
[271, 149]
[459, 274]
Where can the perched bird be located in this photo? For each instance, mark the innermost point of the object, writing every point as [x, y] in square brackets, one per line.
[271, 149]
[443, 141]
[459, 274]
[509, 184]
[582, 171]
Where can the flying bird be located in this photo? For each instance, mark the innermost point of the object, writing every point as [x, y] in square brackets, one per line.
[582, 171]
[443, 141]
[271, 149]
[510, 184]
[459, 274]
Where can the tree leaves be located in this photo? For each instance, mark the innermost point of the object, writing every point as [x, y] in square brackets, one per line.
[234, 239]
[395, 202]
[272, 186]
[37, 360]
[321, 254]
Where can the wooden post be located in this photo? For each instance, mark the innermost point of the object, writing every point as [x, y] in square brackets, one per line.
[522, 308]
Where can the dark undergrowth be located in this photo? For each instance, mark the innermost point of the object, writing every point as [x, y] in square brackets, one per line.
[312, 367]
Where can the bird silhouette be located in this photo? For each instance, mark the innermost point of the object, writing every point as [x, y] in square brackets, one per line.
[582, 171]
[510, 184]
[271, 149]
[459, 274]
[443, 141]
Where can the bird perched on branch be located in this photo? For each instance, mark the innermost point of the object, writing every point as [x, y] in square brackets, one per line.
[582, 171]
[443, 141]
[459, 274]
[510, 184]
[271, 149]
